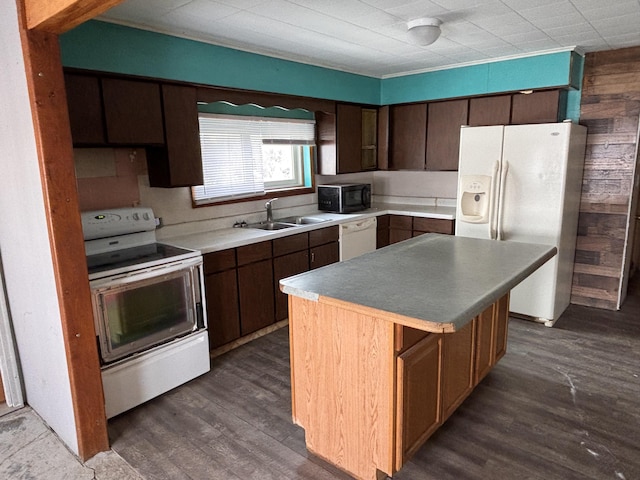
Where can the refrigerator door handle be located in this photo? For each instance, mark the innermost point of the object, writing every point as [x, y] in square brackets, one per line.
[494, 203]
[503, 183]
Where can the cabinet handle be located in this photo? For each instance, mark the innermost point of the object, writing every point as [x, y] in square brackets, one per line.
[313, 257]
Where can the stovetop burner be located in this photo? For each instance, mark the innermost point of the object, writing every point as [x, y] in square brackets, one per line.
[135, 256]
[123, 240]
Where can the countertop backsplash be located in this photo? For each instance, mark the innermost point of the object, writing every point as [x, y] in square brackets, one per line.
[111, 178]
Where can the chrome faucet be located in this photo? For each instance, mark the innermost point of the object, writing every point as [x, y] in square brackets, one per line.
[269, 210]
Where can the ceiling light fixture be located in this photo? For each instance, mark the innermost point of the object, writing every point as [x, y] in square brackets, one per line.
[423, 31]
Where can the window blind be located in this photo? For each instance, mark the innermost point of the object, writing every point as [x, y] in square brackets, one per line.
[232, 152]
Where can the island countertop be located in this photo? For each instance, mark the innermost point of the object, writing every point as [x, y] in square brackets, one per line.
[433, 282]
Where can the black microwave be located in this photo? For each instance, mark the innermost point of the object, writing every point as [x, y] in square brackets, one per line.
[344, 197]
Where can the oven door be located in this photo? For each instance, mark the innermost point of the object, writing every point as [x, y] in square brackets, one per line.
[137, 311]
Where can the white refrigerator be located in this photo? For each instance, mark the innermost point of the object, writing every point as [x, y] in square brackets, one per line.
[522, 183]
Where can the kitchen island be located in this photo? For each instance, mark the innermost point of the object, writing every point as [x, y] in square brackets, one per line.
[385, 347]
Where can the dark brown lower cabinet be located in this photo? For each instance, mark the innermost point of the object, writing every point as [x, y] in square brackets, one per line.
[286, 266]
[457, 368]
[400, 228]
[323, 247]
[223, 313]
[382, 231]
[419, 409]
[324, 255]
[242, 284]
[432, 225]
[255, 288]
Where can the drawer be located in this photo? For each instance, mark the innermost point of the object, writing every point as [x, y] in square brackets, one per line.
[219, 261]
[254, 253]
[435, 225]
[383, 222]
[407, 337]
[403, 222]
[290, 244]
[323, 235]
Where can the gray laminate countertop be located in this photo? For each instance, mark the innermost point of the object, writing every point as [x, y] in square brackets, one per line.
[442, 280]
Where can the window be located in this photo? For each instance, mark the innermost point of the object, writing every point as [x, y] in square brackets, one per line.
[249, 156]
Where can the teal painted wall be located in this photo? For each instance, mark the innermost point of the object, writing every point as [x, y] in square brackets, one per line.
[108, 47]
[541, 71]
[114, 48]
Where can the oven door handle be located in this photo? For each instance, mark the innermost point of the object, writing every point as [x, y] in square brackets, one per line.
[199, 315]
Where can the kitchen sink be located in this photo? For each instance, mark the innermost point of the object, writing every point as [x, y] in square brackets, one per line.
[301, 220]
[272, 225]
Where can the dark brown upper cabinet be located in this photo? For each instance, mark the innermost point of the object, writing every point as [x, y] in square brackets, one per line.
[349, 138]
[84, 99]
[105, 111]
[443, 133]
[408, 136]
[493, 110]
[132, 111]
[179, 162]
[536, 107]
[346, 140]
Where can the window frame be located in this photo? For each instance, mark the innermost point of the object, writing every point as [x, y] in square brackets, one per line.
[280, 191]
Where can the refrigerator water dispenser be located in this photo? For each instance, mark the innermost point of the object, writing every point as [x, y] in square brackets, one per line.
[475, 198]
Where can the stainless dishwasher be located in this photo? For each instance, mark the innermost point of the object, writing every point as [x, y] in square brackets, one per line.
[357, 237]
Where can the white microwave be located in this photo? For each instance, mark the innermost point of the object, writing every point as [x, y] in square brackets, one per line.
[344, 197]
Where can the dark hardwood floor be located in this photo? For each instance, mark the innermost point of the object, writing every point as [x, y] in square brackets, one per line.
[564, 403]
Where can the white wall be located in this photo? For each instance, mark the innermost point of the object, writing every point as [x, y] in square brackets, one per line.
[24, 244]
[433, 188]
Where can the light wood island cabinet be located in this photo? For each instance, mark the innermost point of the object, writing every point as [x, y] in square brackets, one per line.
[365, 400]
[386, 346]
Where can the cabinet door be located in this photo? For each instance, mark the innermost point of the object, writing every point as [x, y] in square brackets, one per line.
[326, 139]
[485, 343]
[369, 153]
[457, 367]
[349, 138]
[133, 112]
[383, 138]
[223, 313]
[443, 133]
[179, 162]
[324, 255]
[221, 288]
[408, 136]
[536, 107]
[255, 288]
[494, 110]
[84, 100]
[396, 235]
[284, 267]
[382, 231]
[400, 228]
[418, 396]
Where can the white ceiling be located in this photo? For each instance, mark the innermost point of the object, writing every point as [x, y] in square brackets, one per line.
[369, 36]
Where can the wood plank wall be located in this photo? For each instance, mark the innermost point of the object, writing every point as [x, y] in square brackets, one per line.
[610, 109]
